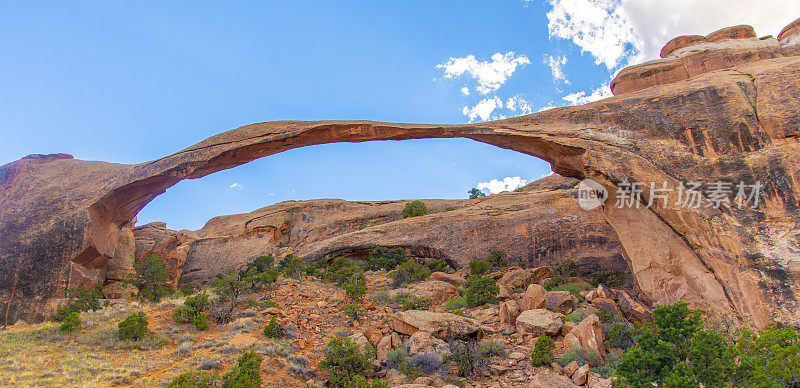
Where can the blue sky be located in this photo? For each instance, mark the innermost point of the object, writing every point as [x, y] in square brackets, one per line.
[128, 82]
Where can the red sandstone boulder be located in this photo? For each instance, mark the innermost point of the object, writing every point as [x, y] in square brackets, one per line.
[680, 42]
[452, 278]
[539, 321]
[791, 30]
[632, 309]
[733, 32]
[560, 301]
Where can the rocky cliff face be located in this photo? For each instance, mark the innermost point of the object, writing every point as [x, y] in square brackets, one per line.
[541, 225]
[730, 116]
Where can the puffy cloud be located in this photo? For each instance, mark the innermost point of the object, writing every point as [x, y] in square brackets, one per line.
[518, 103]
[621, 32]
[555, 64]
[482, 109]
[507, 184]
[490, 75]
[580, 98]
[465, 91]
[236, 186]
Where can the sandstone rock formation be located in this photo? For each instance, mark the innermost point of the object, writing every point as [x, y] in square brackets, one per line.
[718, 111]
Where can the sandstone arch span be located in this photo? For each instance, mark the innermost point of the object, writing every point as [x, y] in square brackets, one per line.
[738, 124]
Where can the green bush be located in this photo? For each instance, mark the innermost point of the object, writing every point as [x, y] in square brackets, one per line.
[246, 372]
[478, 267]
[396, 357]
[438, 265]
[414, 209]
[543, 351]
[574, 288]
[342, 271]
[273, 329]
[455, 303]
[497, 258]
[150, 277]
[351, 310]
[409, 272]
[200, 322]
[385, 258]
[416, 303]
[356, 289]
[193, 306]
[193, 380]
[769, 358]
[480, 290]
[619, 334]
[79, 301]
[228, 287]
[490, 348]
[475, 193]
[345, 362]
[615, 278]
[134, 327]
[71, 323]
[577, 316]
[291, 266]
[583, 356]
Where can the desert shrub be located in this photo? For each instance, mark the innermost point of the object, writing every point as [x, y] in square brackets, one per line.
[427, 363]
[414, 209]
[193, 380]
[291, 266]
[356, 289]
[478, 267]
[191, 308]
[409, 272]
[467, 355]
[396, 357]
[229, 288]
[260, 264]
[79, 301]
[519, 190]
[134, 327]
[480, 290]
[200, 322]
[497, 258]
[543, 351]
[245, 374]
[455, 303]
[475, 193]
[615, 278]
[573, 288]
[577, 316]
[186, 289]
[273, 329]
[385, 258]
[490, 348]
[561, 272]
[769, 358]
[583, 356]
[150, 277]
[416, 303]
[619, 334]
[345, 362]
[351, 310]
[438, 265]
[342, 271]
[605, 314]
[71, 323]
[381, 296]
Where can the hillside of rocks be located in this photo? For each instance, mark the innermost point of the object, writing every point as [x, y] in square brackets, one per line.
[722, 107]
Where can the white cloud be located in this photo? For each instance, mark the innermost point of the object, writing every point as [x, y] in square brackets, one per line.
[622, 32]
[482, 109]
[490, 75]
[580, 98]
[236, 186]
[555, 64]
[465, 91]
[507, 184]
[518, 103]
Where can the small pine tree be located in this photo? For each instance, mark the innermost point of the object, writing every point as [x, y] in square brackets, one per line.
[273, 329]
[475, 193]
[415, 209]
[134, 327]
[345, 362]
[543, 351]
[150, 277]
[71, 323]
[246, 372]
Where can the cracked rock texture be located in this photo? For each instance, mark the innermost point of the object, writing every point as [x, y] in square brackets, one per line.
[722, 110]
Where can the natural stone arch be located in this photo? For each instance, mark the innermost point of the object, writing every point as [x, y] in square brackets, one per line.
[739, 128]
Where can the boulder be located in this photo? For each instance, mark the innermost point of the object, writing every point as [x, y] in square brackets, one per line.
[568, 326]
[422, 341]
[571, 368]
[680, 42]
[509, 312]
[588, 334]
[536, 295]
[597, 381]
[373, 335]
[560, 301]
[452, 278]
[605, 292]
[790, 30]
[734, 32]
[441, 325]
[540, 273]
[539, 321]
[632, 309]
[362, 342]
[436, 291]
[549, 379]
[242, 340]
[516, 278]
[581, 375]
[383, 348]
[607, 304]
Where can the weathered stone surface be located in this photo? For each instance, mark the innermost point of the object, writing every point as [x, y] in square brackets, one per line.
[790, 30]
[539, 321]
[580, 375]
[680, 42]
[560, 301]
[632, 309]
[597, 381]
[363, 343]
[242, 340]
[441, 325]
[452, 278]
[609, 304]
[536, 294]
[383, 348]
[515, 278]
[509, 310]
[436, 291]
[550, 380]
[571, 368]
[588, 335]
[421, 342]
[741, 128]
[542, 272]
[733, 32]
